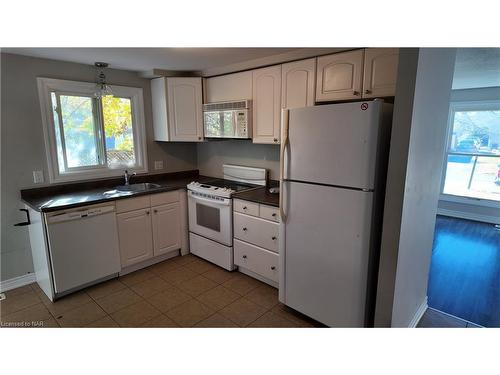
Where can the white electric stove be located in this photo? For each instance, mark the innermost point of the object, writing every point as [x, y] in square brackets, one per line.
[211, 212]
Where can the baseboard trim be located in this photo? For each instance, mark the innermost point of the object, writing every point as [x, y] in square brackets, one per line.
[469, 216]
[419, 314]
[257, 276]
[455, 317]
[17, 282]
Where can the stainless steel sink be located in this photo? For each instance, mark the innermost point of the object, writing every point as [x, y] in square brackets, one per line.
[138, 187]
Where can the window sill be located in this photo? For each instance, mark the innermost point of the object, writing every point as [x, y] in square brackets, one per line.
[470, 201]
[90, 175]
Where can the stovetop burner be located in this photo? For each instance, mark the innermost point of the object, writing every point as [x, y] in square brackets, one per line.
[220, 187]
[229, 184]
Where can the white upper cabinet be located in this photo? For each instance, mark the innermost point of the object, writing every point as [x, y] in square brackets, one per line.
[380, 72]
[266, 104]
[229, 87]
[177, 109]
[298, 80]
[339, 76]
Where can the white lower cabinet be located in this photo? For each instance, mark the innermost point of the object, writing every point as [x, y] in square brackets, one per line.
[257, 231]
[256, 259]
[149, 226]
[256, 239]
[166, 228]
[134, 234]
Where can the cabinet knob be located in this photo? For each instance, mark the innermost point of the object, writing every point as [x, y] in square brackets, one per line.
[155, 211]
[274, 215]
[199, 138]
[368, 91]
[275, 140]
[147, 212]
[244, 229]
[244, 257]
[273, 238]
[355, 93]
[273, 268]
[245, 207]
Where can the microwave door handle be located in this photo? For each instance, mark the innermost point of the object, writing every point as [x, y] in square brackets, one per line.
[235, 124]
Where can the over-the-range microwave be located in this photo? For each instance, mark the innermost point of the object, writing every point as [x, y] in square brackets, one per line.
[228, 119]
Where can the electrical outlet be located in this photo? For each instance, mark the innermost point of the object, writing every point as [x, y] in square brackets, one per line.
[158, 164]
[38, 177]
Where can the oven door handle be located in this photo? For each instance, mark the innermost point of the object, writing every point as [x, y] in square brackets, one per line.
[225, 202]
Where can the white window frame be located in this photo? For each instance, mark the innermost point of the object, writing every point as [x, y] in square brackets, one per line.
[469, 105]
[46, 86]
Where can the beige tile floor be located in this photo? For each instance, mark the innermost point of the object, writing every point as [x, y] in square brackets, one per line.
[180, 292]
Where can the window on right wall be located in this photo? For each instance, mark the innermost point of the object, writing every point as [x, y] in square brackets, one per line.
[472, 165]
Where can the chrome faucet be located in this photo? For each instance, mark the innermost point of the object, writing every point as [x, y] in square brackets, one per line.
[128, 177]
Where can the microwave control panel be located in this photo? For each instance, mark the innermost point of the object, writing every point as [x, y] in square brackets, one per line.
[242, 124]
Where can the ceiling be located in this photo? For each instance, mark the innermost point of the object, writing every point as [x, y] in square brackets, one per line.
[477, 67]
[205, 60]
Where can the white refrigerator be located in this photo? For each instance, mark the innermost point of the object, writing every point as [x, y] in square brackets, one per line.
[333, 171]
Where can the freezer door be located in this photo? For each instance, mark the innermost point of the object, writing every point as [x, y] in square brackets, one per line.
[326, 253]
[334, 144]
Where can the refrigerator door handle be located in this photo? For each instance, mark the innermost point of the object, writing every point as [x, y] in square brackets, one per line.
[284, 143]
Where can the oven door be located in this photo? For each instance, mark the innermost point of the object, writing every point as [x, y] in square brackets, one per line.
[219, 124]
[211, 218]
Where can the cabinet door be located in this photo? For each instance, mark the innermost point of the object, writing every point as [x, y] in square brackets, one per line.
[297, 83]
[266, 104]
[185, 118]
[135, 236]
[339, 76]
[229, 87]
[380, 72]
[166, 228]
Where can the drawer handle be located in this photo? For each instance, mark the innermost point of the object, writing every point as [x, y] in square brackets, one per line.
[245, 207]
[273, 238]
[274, 215]
[245, 229]
[244, 257]
[273, 268]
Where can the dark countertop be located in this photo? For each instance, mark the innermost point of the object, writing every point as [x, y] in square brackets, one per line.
[261, 195]
[64, 196]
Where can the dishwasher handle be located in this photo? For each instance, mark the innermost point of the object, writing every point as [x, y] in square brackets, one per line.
[80, 214]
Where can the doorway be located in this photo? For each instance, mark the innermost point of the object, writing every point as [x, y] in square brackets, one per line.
[464, 276]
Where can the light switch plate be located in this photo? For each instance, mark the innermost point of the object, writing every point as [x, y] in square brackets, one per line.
[158, 164]
[38, 177]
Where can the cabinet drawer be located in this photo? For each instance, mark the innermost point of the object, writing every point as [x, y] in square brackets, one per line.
[131, 204]
[165, 198]
[269, 213]
[246, 207]
[256, 231]
[256, 259]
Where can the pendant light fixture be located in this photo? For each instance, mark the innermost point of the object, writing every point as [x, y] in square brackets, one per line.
[102, 88]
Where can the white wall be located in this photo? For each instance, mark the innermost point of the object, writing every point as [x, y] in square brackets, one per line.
[413, 182]
[470, 209]
[22, 144]
[213, 154]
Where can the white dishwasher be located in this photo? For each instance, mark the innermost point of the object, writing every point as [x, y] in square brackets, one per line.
[83, 246]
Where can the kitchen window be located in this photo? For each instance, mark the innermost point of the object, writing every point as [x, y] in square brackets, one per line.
[472, 168]
[89, 137]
